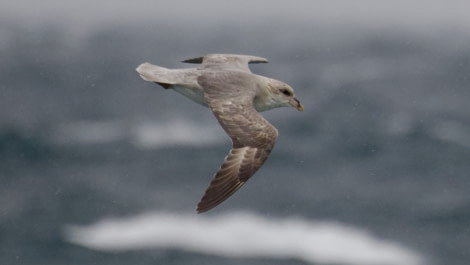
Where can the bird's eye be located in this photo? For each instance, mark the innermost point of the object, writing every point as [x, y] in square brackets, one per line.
[286, 92]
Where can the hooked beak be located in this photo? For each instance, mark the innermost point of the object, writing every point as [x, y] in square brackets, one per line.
[296, 104]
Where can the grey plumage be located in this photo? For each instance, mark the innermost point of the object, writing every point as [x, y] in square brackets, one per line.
[225, 84]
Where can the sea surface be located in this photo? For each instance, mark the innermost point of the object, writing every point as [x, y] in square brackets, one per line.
[99, 167]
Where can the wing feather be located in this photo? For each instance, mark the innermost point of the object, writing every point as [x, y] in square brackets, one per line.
[230, 97]
[227, 61]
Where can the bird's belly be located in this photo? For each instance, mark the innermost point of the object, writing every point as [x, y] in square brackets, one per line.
[195, 94]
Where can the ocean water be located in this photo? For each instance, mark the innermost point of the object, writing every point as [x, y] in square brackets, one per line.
[99, 167]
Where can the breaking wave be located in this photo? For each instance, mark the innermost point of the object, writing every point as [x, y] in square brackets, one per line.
[244, 235]
[145, 135]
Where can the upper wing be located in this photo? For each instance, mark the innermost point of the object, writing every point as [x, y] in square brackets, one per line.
[227, 61]
[230, 96]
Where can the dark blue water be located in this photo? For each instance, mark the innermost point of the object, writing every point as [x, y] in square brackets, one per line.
[383, 146]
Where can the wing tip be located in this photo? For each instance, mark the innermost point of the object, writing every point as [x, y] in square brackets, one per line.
[256, 60]
[197, 60]
[250, 58]
[203, 207]
[201, 210]
[211, 200]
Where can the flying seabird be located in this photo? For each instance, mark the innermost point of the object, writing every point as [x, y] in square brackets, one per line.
[225, 84]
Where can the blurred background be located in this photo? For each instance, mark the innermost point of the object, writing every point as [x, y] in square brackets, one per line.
[99, 167]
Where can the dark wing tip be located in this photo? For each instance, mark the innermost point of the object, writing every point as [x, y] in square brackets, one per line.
[250, 59]
[216, 195]
[262, 60]
[197, 60]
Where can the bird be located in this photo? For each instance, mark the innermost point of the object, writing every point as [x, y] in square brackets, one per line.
[225, 84]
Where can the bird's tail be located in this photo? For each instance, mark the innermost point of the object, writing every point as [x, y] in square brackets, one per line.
[157, 74]
[168, 78]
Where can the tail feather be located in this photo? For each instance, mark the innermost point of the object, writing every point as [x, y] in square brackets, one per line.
[154, 73]
[168, 78]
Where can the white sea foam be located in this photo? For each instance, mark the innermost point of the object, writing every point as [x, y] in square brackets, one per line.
[243, 235]
[452, 131]
[145, 135]
[154, 135]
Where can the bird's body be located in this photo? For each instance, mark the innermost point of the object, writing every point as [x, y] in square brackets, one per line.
[225, 84]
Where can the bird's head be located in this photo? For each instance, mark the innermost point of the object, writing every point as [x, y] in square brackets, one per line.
[282, 95]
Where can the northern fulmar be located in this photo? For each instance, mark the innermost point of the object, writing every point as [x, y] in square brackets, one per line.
[225, 84]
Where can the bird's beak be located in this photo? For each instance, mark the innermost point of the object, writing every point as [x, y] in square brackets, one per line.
[296, 104]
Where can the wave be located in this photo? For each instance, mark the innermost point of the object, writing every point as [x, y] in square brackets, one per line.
[144, 135]
[89, 132]
[244, 235]
[181, 132]
[452, 131]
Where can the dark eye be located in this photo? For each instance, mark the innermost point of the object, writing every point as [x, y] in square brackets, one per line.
[286, 92]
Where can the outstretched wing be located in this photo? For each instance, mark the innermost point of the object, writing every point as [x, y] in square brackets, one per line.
[227, 61]
[230, 96]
